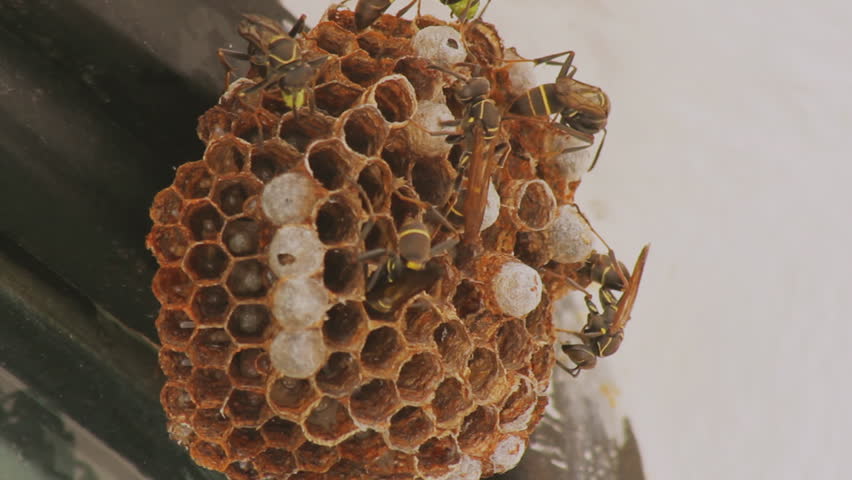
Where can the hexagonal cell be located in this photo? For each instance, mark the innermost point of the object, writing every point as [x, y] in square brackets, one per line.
[536, 205]
[420, 319]
[332, 38]
[242, 237]
[273, 158]
[409, 428]
[211, 347]
[282, 433]
[451, 400]
[249, 368]
[242, 470]
[533, 248]
[346, 469]
[316, 458]
[394, 97]
[255, 125]
[345, 325]
[539, 322]
[174, 327]
[335, 97]
[483, 43]
[177, 401]
[396, 153]
[275, 461]
[230, 194]
[373, 402]
[295, 251]
[392, 464]
[193, 180]
[171, 286]
[210, 305]
[433, 180]
[209, 455]
[250, 323]
[403, 208]
[513, 344]
[342, 273]
[168, 243]
[337, 221]
[203, 221]
[477, 431]
[329, 421]
[340, 374]
[246, 409]
[244, 443]
[226, 155]
[419, 377]
[300, 132]
[249, 279]
[210, 387]
[437, 456]
[542, 362]
[364, 446]
[176, 365]
[453, 345]
[364, 130]
[166, 207]
[375, 179]
[206, 261]
[329, 163]
[416, 70]
[362, 69]
[517, 411]
[383, 350]
[292, 395]
[298, 353]
[485, 371]
[468, 299]
[209, 423]
[381, 235]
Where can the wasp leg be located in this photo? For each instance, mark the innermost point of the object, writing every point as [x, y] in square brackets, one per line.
[222, 54]
[406, 8]
[298, 26]
[574, 372]
[598, 153]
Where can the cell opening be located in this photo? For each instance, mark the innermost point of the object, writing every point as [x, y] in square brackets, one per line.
[532, 248]
[542, 363]
[364, 131]
[381, 235]
[275, 461]
[166, 208]
[375, 180]
[250, 323]
[302, 131]
[437, 455]
[210, 387]
[342, 270]
[242, 237]
[177, 402]
[345, 322]
[282, 433]
[394, 99]
[211, 424]
[169, 243]
[230, 195]
[360, 68]
[175, 327]
[364, 446]
[402, 209]
[518, 405]
[329, 421]
[328, 165]
[171, 286]
[204, 221]
[513, 344]
[397, 153]
[484, 372]
[244, 443]
[272, 159]
[225, 156]
[291, 394]
[335, 98]
[211, 347]
[210, 305]
[332, 38]
[175, 364]
[340, 375]
[206, 261]
[416, 70]
[537, 205]
[420, 320]
[373, 402]
[382, 349]
[453, 344]
[539, 322]
[316, 458]
[467, 299]
[431, 182]
[477, 430]
[418, 377]
[246, 409]
[450, 401]
[209, 455]
[242, 470]
[336, 222]
[246, 370]
[249, 279]
[193, 180]
[410, 427]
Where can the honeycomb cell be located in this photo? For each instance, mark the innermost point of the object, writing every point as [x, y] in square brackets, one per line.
[246, 409]
[392, 464]
[203, 221]
[517, 289]
[403, 208]
[176, 365]
[242, 237]
[329, 163]
[375, 180]
[316, 458]
[380, 46]
[420, 319]
[437, 456]
[432, 180]
[516, 413]
[410, 427]
[242, 470]
[292, 395]
[394, 97]
[542, 363]
[298, 353]
[300, 132]
[211, 424]
[425, 81]
[539, 322]
[364, 130]
[167, 207]
[193, 180]
[363, 446]
[169, 243]
[477, 431]
[362, 69]
[533, 248]
[453, 345]
[299, 303]
[249, 368]
[381, 235]
[177, 401]
[396, 153]
[244, 443]
[383, 350]
[536, 205]
[508, 453]
[483, 43]
[340, 375]
[342, 274]
[210, 305]
[206, 261]
[419, 377]
[250, 324]
[346, 324]
[513, 344]
[485, 373]
[249, 279]
[289, 198]
[209, 455]
[175, 327]
[345, 469]
[450, 402]
[231, 194]
[275, 461]
[373, 402]
[255, 126]
[210, 387]
[211, 347]
[336, 222]
[571, 236]
[468, 299]
[333, 39]
[329, 421]
[430, 117]
[171, 286]
[272, 159]
[281, 433]
[225, 155]
[441, 45]
[334, 98]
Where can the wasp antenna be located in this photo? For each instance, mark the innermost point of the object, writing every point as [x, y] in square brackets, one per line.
[482, 12]
[406, 8]
[298, 26]
[449, 72]
[598, 153]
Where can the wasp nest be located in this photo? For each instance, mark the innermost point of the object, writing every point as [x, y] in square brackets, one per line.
[278, 364]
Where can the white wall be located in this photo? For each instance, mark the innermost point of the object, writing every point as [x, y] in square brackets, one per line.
[729, 150]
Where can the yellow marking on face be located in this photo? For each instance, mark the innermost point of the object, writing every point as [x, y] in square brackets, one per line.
[411, 231]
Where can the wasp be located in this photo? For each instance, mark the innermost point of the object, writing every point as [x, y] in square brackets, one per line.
[583, 108]
[368, 11]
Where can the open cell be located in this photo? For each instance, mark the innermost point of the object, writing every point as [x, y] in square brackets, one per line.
[383, 350]
[329, 421]
[242, 237]
[336, 222]
[409, 427]
[419, 377]
[169, 243]
[206, 261]
[193, 180]
[345, 325]
[211, 347]
[211, 424]
[210, 305]
[273, 158]
[231, 194]
[340, 374]
[451, 400]
[329, 164]
[226, 155]
[453, 345]
[203, 221]
[374, 401]
[249, 279]
[342, 272]
[246, 409]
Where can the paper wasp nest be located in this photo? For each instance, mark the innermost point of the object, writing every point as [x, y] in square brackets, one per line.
[277, 368]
